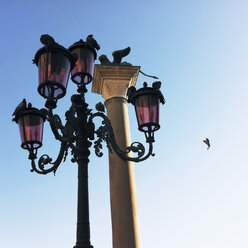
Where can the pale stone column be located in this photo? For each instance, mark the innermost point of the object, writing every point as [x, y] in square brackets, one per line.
[112, 83]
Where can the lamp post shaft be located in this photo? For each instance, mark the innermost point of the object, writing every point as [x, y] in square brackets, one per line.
[83, 223]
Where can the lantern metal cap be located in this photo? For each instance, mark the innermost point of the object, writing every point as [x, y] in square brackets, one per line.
[82, 43]
[22, 110]
[132, 93]
[51, 46]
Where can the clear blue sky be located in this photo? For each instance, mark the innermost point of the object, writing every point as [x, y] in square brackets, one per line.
[188, 196]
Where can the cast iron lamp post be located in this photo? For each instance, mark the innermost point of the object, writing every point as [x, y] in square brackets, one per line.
[55, 63]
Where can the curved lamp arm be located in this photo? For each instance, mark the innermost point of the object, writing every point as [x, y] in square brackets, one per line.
[106, 133]
[45, 159]
[55, 124]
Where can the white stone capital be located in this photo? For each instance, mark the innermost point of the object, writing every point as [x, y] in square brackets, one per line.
[113, 80]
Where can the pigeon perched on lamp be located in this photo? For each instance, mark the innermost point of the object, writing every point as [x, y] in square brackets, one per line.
[46, 39]
[92, 42]
[20, 106]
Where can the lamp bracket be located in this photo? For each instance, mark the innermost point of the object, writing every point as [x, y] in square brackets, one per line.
[105, 133]
[76, 134]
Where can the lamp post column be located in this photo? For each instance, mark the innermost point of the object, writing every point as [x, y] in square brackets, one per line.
[112, 83]
[81, 155]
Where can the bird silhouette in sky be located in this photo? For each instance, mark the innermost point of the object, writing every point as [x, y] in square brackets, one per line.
[207, 142]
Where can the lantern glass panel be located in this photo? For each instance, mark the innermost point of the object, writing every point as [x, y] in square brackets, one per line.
[82, 72]
[54, 70]
[147, 111]
[31, 130]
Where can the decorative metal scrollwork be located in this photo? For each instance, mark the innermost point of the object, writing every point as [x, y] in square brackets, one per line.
[45, 160]
[79, 126]
[106, 133]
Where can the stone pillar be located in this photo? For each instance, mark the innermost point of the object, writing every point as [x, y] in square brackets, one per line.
[112, 83]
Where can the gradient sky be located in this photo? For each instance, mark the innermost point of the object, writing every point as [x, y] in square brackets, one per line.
[188, 196]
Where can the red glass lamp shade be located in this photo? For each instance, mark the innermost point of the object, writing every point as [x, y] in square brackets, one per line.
[30, 123]
[82, 72]
[147, 112]
[54, 64]
[146, 102]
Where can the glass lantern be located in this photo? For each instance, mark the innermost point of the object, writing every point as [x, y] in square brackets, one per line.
[30, 121]
[82, 72]
[54, 64]
[146, 102]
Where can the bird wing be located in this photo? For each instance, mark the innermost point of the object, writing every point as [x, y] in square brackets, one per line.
[119, 54]
[207, 142]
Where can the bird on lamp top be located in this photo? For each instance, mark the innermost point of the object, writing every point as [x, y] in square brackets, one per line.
[156, 86]
[92, 42]
[46, 40]
[20, 106]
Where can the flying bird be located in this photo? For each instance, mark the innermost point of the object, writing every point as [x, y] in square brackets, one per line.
[20, 106]
[92, 42]
[207, 142]
[46, 39]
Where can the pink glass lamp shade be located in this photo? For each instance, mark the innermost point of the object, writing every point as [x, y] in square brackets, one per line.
[30, 121]
[147, 112]
[54, 65]
[146, 102]
[82, 72]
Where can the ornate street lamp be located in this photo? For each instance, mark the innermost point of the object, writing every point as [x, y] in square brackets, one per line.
[54, 65]
[146, 102]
